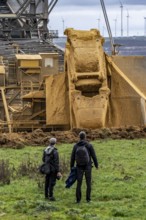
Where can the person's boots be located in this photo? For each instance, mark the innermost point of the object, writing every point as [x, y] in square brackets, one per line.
[52, 198]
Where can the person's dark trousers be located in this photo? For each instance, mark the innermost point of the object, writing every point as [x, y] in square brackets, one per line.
[80, 172]
[50, 182]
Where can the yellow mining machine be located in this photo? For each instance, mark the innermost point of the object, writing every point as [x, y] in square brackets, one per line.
[43, 87]
[84, 102]
[95, 89]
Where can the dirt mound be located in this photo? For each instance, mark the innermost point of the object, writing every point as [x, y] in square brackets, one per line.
[40, 138]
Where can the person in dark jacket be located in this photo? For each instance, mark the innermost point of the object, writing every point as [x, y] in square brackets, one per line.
[51, 157]
[83, 169]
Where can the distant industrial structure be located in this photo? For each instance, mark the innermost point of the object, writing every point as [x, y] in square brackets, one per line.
[27, 57]
[26, 19]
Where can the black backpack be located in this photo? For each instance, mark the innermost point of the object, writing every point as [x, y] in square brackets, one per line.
[82, 156]
[45, 168]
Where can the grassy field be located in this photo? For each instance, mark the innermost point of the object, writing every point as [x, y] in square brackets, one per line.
[118, 187]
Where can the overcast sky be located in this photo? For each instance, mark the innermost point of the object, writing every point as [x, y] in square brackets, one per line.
[87, 14]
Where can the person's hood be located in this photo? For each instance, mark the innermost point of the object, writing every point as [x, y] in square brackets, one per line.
[82, 143]
[49, 149]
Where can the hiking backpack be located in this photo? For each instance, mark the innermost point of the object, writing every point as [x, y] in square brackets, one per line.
[82, 156]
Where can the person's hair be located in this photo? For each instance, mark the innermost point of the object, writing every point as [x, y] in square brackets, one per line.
[52, 141]
[82, 135]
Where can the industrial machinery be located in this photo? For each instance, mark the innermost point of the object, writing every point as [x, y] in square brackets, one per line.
[43, 87]
[92, 89]
[84, 101]
[25, 19]
[96, 90]
[27, 56]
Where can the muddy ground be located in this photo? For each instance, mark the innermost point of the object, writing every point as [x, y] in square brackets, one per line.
[40, 138]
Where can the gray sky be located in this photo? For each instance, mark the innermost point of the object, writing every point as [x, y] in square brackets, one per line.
[87, 14]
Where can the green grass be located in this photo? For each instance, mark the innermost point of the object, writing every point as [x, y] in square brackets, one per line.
[118, 187]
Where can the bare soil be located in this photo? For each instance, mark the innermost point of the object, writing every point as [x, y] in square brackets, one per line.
[40, 138]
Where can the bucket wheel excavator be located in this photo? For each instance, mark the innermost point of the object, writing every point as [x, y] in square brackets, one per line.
[85, 89]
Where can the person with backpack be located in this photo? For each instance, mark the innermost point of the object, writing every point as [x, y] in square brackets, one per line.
[82, 154]
[51, 161]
